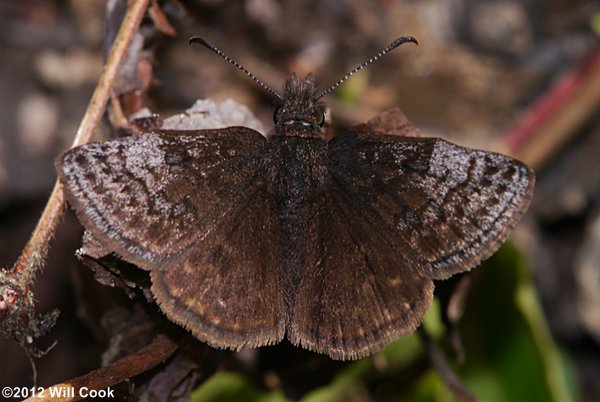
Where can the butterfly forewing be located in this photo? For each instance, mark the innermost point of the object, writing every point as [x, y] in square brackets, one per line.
[442, 207]
[150, 197]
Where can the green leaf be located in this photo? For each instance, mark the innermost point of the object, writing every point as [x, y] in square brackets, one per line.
[595, 23]
[351, 91]
[395, 357]
[226, 386]
[510, 352]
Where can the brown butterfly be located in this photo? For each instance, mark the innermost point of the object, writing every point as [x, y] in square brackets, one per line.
[332, 244]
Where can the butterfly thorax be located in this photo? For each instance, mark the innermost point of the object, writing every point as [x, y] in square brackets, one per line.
[299, 113]
[298, 150]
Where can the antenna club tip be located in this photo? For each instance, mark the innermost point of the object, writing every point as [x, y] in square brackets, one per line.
[200, 40]
[404, 39]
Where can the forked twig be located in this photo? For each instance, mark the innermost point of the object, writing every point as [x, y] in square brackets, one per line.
[36, 249]
[17, 309]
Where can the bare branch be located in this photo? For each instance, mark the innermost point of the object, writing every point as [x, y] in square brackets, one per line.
[128, 367]
[18, 319]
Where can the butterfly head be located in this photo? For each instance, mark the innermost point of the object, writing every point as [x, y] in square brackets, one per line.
[299, 110]
[299, 107]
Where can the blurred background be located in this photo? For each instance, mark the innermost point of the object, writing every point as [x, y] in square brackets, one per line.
[520, 77]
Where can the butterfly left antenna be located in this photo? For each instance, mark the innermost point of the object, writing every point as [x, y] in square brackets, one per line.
[200, 40]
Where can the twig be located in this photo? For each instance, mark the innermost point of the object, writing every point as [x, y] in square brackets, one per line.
[444, 369]
[36, 249]
[17, 311]
[456, 307]
[128, 367]
[551, 122]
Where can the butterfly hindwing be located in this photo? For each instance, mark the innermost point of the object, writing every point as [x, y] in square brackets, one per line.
[354, 296]
[227, 290]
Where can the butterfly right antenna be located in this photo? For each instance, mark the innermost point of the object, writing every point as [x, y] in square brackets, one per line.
[389, 48]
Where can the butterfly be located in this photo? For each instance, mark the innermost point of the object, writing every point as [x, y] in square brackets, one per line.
[334, 244]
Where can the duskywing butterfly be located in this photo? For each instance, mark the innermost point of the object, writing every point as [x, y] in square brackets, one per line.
[332, 244]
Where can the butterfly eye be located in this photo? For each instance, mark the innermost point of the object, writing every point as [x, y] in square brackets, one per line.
[319, 117]
[276, 114]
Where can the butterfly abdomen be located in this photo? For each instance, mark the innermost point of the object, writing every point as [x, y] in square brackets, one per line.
[296, 188]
